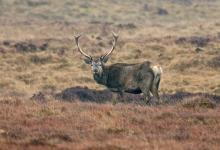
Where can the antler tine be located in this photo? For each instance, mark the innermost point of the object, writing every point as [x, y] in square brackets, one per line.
[78, 46]
[115, 36]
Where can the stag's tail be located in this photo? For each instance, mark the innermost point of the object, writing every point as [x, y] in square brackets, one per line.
[157, 75]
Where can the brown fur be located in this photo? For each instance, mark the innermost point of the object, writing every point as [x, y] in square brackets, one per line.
[121, 77]
[131, 78]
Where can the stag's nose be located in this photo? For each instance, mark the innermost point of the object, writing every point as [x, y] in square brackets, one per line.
[95, 71]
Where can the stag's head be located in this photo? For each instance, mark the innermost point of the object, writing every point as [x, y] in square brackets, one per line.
[96, 62]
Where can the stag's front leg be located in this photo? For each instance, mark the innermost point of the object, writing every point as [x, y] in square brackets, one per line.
[121, 95]
[114, 98]
[117, 94]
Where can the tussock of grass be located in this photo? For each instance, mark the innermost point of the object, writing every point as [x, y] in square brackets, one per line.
[116, 130]
[40, 60]
[199, 102]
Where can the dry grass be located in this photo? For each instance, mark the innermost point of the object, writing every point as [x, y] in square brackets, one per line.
[64, 125]
[38, 55]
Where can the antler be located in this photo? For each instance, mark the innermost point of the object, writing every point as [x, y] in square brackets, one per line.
[115, 36]
[79, 48]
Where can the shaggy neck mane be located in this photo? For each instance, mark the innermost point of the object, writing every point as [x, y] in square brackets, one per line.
[101, 78]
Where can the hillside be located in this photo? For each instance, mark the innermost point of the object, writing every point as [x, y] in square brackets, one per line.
[48, 98]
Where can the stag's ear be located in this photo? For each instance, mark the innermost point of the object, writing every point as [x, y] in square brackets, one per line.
[104, 59]
[88, 60]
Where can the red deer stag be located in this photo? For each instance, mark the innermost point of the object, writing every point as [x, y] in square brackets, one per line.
[121, 77]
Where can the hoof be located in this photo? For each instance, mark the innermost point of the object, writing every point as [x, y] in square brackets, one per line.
[148, 102]
[158, 102]
[114, 101]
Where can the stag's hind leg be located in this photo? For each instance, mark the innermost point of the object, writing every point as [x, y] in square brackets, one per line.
[154, 91]
[146, 93]
[121, 95]
[155, 86]
[145, 87]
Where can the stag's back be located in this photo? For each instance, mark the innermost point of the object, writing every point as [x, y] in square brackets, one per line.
[127, 75]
